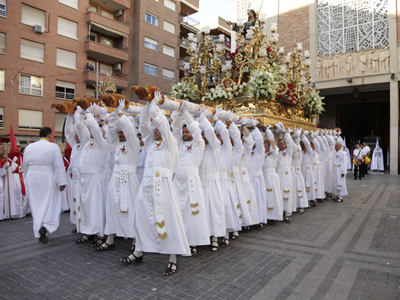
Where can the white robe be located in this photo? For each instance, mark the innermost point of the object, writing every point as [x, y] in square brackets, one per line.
[377, 158]
[339, 187]
[209, 175]
[18, 202]
[91, 204]
[257, 176]
[124, 184]
[232, 220]
[329, 166]
[45, 173]
[187, 182]
[158, 220]
[248, 187]
[76, 153]
[273, 186]
[322, 162]
[318, 178]
[301, 200]
[142, 160]
[307, 168]
[3, 192]
[235, 177]
[285, 174]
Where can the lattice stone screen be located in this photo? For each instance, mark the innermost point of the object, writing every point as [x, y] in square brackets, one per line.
[345, 26]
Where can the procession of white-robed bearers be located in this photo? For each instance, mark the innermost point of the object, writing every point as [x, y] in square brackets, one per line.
[175, 183]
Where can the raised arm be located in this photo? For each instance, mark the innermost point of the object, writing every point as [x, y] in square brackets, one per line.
[95, 130]
[221, 129]
[112, 130]
[234, 133]
[194, 129]
[289, 142]
[145, 127]
[208, 130]
[248, 141]
[80, 129]
[69, 130]
[177, 127]
[316, 145]
[257, 137]
[129, 131]
[161, 123]
[306, 143]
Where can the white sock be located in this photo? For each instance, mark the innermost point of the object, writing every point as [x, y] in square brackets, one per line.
[172, 258]
[134, 242]
[110, 239]
[227, 235]
[215, 239]
[138, 253]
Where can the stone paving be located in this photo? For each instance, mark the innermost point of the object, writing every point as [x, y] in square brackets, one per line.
[348, 250]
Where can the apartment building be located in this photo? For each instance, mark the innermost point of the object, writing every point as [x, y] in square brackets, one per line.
[54, 51]
[155, 41]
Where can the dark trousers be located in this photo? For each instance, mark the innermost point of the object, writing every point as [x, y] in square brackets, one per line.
[357, 169]
[363, 170]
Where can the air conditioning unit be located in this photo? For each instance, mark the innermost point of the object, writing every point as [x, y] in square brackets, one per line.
[38, 29]
[119, 13]
[117, 67]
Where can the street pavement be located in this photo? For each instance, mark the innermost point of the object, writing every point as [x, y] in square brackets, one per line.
[348, 250]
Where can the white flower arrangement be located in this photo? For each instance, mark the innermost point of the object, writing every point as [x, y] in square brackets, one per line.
[313, 104]
[218, 93]
[262, 84]
[183, 91]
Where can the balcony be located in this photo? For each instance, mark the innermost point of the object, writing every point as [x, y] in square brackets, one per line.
[189, 7]
[113, 54]
[120, 25]
[187, 25]
[113, 5]
[120, 79]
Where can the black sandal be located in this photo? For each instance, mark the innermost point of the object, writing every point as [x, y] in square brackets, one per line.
[193, 250]
[97, 242]
[105, 246]
[74, 230]
[214, 246]
[287, 220]
[169, 270]
[43, 236]
[82, 240]
[131, 258]
[260, 226]
[225, 243]
[122, 239]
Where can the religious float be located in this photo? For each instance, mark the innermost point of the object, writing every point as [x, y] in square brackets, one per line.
[257, 81]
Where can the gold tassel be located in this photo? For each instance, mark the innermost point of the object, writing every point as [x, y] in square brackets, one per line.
[286, 199]
[248, 202]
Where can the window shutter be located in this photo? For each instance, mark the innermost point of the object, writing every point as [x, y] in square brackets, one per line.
[90, 92]
[59, 124]
[32, 50]
[2, 75]
[169, 74]
[104, 69]
[30, 118]
[2, 42]
[33, 16]
[107, 14]
[71, 3]
[67, 28]
[169, 27]
[169, 50]
[66, 59]
[170, 4]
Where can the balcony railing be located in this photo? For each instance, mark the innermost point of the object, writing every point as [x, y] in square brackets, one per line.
[115, 45]
[188, 20]
[118, 19]
[117, 74]
[184, 42]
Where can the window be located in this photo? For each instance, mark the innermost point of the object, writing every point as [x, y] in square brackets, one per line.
[59, 124]
[345, 26]
[66, 59]
[90, 93]
[151, 19]
[93, 37]
[106, 41]
[150, 69]
[30, 119]
[170, 4]
[33, 16]
[2, 43]
[107, 14]
[1, 117]
[67, 28]
[3, 8]
[32, 50]
[169, 50]
[71, 3]
[169, 27]
[150, 43]
[65, 90]
[2, 79]
[104, 69]
[168, 74]
[31, 85]
[92, 8]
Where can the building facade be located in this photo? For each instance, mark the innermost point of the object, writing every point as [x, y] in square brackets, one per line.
[354, 46]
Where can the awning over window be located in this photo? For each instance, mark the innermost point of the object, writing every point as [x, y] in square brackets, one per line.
[109, 29]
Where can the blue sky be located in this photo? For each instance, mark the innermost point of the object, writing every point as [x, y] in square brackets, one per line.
[212, 8]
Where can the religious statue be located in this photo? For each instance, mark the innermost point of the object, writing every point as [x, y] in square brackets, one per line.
[373, 61]
[384, 55]
[363, 63]
[251, 21]
[350, 65]
[336, 66]
[318, 66]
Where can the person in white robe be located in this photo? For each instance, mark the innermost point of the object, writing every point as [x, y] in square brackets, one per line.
[377, 158]
[142, 158]
[158, 221]
[75, 159]
[209, 175]
[123, 185]
[322, 162]
[285, 146]
[187, 181]
[235, 177]
[272, 184]
[318, 178]
[250, 194]
[322, 135]
[45, 180]
[5, 164]
[232, 221]
[256, 173]
[339, 187]
[91, 205]
[65, 195]
[18, 201]
[307, 168]
[329, 170]
[301, 200]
